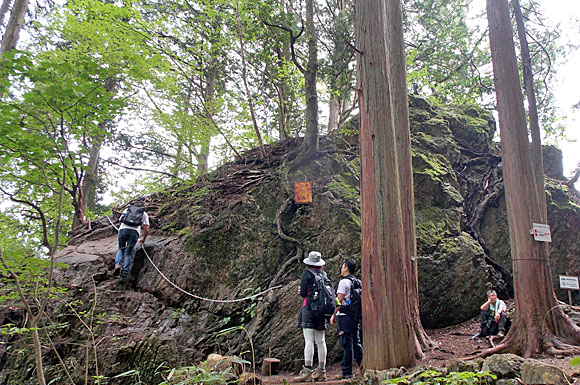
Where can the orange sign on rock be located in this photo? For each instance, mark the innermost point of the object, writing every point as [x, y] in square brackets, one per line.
[303, 192]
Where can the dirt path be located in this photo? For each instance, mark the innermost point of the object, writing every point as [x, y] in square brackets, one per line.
[452, 343]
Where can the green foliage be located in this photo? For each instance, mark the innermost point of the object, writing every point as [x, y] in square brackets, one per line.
[433, 377]
[575, 362]
[191, 375]
[344, 188]
[446, 61]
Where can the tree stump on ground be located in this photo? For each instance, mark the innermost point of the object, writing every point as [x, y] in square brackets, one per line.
[270, 366]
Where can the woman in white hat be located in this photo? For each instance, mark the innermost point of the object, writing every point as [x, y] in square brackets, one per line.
[313, 325]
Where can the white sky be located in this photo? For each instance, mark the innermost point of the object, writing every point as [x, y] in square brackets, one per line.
[567, 86]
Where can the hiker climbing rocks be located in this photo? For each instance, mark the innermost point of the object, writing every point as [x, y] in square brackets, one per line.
[493, 318]
[348, 312]
[317, 306]
[132, 220]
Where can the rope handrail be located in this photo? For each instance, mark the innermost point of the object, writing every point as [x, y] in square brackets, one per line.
[191, 294]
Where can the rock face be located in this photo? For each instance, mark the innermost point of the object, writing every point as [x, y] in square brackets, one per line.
[509, 366]
[535, 372]
[237, 232]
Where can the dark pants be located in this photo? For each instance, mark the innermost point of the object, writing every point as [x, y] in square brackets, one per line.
[127, 240]
[349, 339]
[489, 326]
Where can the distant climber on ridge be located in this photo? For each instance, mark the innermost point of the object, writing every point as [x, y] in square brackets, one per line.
[132, 220]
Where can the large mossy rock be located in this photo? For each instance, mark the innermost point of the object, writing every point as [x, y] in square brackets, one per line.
[563, 218]
[221, 238]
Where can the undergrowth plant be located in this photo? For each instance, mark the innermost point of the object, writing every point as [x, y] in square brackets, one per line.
[433, 377]
[201, 374]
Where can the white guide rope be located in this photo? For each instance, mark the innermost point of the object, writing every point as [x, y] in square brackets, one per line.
[191, 294]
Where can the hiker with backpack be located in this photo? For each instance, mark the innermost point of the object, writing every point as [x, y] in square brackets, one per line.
[349, 311]
[317, 307]
[132, 220]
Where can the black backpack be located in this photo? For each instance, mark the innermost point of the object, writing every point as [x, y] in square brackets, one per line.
[323, 299]
[354, 307]
[132, 216]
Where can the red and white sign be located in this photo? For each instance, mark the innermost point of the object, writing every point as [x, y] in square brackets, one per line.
[541, 232]
[568, 282]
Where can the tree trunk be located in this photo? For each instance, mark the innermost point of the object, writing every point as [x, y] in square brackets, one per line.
[528, 77]
[202, 158]
[388, 254]
[245, 81]
[333, 114]
[283, 91]
[90, 177]
[37, 353]
[336, 98]
[309, 146]
[537, 315]
[12, 31]
[3, 9]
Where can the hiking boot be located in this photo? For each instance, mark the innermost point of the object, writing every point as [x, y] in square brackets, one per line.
[501, 333]
[319, 374]
[117, 271]
[305, 375]
[123, 278]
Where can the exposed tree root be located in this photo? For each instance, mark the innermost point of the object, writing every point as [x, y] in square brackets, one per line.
[501, 348]
[547, 343]
[557, 347]
[281, 234]
[282, 270]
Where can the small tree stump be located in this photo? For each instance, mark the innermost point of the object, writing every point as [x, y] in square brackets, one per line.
[270, 366]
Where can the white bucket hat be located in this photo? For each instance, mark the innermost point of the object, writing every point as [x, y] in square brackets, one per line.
[314, 259]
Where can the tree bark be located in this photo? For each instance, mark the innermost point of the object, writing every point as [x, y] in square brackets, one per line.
[90, 176]
[202, 158]
[333, 114]
[245, 80]
[528, 76]
[3, 9]
[537, 315]
[12, 31]
[283, 90]
[388, 219]
[211, 75]
[309, 146]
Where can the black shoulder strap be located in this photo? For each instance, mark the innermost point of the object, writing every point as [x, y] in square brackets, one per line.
[355, 281]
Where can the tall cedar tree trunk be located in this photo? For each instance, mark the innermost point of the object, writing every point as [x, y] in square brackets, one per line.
[537, 318]
[12, 31]
[528, 77]
[309, 146]
[390, 299]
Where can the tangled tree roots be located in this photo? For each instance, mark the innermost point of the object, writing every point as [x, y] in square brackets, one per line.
[299, 249]
[528, 344]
